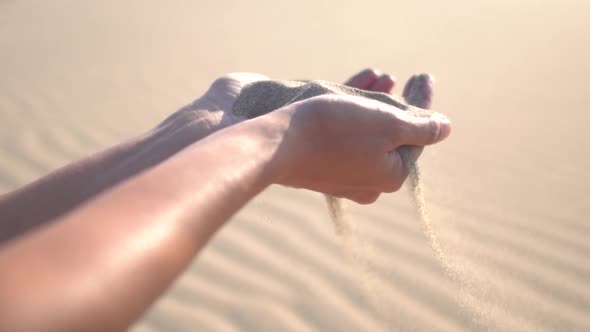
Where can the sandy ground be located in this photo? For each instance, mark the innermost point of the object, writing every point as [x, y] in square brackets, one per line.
[507, 193]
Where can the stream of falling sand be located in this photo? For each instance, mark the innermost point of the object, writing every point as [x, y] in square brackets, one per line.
[356, 249]
[372, 286]
[415, 184]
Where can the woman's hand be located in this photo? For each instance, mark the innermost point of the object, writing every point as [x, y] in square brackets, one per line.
[345, 146]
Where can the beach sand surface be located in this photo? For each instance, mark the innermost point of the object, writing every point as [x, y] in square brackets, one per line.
[507, 193]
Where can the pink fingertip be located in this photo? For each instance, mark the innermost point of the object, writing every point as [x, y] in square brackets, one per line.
[364, 79]
[383, 84]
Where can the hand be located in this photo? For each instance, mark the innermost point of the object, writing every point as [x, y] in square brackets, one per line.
[345, 146]
[417, 91]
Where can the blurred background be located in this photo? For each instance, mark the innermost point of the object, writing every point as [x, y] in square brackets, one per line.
[507, 192]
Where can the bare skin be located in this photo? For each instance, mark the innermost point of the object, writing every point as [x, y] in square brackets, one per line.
[64, 189]
[91, 265]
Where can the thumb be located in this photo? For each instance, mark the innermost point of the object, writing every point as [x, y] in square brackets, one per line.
[419, 130]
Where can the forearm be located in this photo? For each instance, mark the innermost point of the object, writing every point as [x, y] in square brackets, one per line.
[104, 263]
[62, 190]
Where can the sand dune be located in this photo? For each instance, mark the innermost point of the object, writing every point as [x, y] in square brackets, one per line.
[507, 193]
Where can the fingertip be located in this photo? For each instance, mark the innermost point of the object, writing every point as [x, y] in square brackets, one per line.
[445, 131]
[443, 124]
[384, 83]
[364, 79]
[419, 90]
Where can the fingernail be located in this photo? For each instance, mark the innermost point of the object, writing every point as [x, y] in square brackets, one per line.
[443, 124]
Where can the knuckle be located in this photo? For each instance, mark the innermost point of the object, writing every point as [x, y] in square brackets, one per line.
[222, 80]
[326, 106]
[323, 101]
[221, 83]
[313, 108]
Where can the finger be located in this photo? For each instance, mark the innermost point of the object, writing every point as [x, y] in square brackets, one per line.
[419, 91]
[409, 86]
[408, 129]
[394, 173]
[364, 198]
[384, 83]
[364, 79]
[398, 127]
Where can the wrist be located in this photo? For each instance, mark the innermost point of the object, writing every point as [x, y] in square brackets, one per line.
[275, 133]
[185, 127]
[263, 137]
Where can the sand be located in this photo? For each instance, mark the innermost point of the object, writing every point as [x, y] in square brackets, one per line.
[265, 96]
[507, 193]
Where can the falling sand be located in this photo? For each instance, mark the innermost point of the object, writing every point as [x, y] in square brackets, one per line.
[261, 97]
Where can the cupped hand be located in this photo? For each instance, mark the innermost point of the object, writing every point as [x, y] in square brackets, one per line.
[345, 146]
